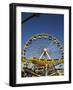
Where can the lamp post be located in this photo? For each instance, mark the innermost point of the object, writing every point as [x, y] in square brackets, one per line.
[30, 17]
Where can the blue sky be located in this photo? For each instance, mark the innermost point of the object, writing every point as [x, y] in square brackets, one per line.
[47, 23]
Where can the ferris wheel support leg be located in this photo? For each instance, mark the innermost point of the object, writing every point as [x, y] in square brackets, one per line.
[41, 55]
[48, 55]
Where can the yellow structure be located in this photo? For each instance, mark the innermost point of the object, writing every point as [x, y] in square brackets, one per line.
[42, 62]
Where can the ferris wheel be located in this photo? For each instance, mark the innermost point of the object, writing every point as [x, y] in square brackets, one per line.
[40, 43]
[44, 47]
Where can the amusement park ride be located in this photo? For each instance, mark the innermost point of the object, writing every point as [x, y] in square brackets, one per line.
[44, 60]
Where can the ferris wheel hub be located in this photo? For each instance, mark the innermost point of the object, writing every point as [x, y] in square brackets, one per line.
[45, 50]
